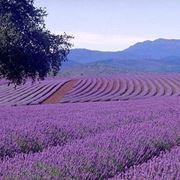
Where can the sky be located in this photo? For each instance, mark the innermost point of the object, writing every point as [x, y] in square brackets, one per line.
[112, 25]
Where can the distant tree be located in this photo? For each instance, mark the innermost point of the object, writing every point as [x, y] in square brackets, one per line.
[27, 48]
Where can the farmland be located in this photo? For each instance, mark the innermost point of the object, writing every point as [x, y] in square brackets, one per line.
[91, 89]
[121, 127]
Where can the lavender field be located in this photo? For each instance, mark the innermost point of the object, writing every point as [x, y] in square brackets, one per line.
[134, 139]
[91, 89]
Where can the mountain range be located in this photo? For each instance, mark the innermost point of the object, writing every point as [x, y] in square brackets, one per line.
[159, 56]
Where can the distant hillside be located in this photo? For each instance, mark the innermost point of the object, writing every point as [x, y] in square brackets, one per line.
[88, 56]
[158, 49]
[161, 56]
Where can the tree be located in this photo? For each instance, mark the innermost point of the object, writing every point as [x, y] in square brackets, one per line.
[27, 48]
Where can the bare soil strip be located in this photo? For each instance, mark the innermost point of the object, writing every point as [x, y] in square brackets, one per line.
[60, 93]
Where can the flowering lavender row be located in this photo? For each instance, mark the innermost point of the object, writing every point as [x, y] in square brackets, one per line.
[28, 93]
[94, 89]
[2, 82]
[34, 128]
[164, 167]
[123, 87]
[98, 157]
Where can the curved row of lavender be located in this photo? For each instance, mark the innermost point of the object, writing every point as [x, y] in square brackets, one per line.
[123, 88]
[166, 167]
[73, 143]
[29, 93]
[94, 89]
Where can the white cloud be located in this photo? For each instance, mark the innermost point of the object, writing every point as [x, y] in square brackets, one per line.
[106, 42]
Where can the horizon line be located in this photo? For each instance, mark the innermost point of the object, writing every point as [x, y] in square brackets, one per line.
[148, 40]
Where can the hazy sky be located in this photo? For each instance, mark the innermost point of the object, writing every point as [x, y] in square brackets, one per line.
[113, 24]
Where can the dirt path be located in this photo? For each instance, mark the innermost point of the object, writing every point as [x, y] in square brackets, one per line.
[60, 93]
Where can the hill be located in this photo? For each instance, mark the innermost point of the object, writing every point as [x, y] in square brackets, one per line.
[157, 49]
[159, 56]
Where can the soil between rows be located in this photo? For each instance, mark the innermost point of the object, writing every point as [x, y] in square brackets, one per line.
[60, 93]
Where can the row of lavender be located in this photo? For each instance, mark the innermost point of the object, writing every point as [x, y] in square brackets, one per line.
[80, 144]
[41, 126]
[123, 87]
[93, 89]
[29, 93]
[165, 167]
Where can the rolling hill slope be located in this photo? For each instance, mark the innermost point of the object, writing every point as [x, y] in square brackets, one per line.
[91, 89]
[159, 56]
[152, 50]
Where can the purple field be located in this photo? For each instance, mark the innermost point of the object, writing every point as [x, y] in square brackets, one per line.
[93, 89]
[124, 127]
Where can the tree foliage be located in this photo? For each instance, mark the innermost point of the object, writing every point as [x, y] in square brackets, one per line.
[27, 48]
